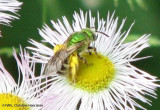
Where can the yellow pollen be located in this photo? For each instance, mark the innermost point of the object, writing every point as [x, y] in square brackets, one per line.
[58, 47]
[9, 101]
[95, 76]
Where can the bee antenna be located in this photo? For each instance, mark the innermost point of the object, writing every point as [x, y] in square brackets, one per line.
[102, 33]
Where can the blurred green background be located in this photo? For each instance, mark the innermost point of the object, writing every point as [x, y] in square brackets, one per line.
[35, 13]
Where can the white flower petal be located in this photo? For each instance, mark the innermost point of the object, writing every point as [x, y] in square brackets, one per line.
[7, 7]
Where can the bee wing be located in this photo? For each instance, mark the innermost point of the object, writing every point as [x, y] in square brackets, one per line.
[56, 61]
[74, 47]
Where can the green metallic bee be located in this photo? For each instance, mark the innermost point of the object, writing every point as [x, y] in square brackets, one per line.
[72, 49]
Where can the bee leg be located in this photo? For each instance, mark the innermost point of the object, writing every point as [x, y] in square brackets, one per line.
[83, 59]
[92, 49]
[65, 65]
[73, 81]
[62, 72]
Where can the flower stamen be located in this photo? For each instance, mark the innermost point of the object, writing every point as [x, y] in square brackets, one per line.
[95, 76]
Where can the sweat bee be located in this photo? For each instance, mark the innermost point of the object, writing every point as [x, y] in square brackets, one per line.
[67, 54]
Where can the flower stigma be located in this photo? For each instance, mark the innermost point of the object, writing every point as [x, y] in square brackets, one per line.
[9, 101]
[96, 75]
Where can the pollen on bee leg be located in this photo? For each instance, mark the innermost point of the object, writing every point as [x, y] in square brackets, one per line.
[73, 66]
[58, 47]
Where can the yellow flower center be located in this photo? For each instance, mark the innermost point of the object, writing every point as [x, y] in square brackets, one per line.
[95, 76]
[12, 102]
